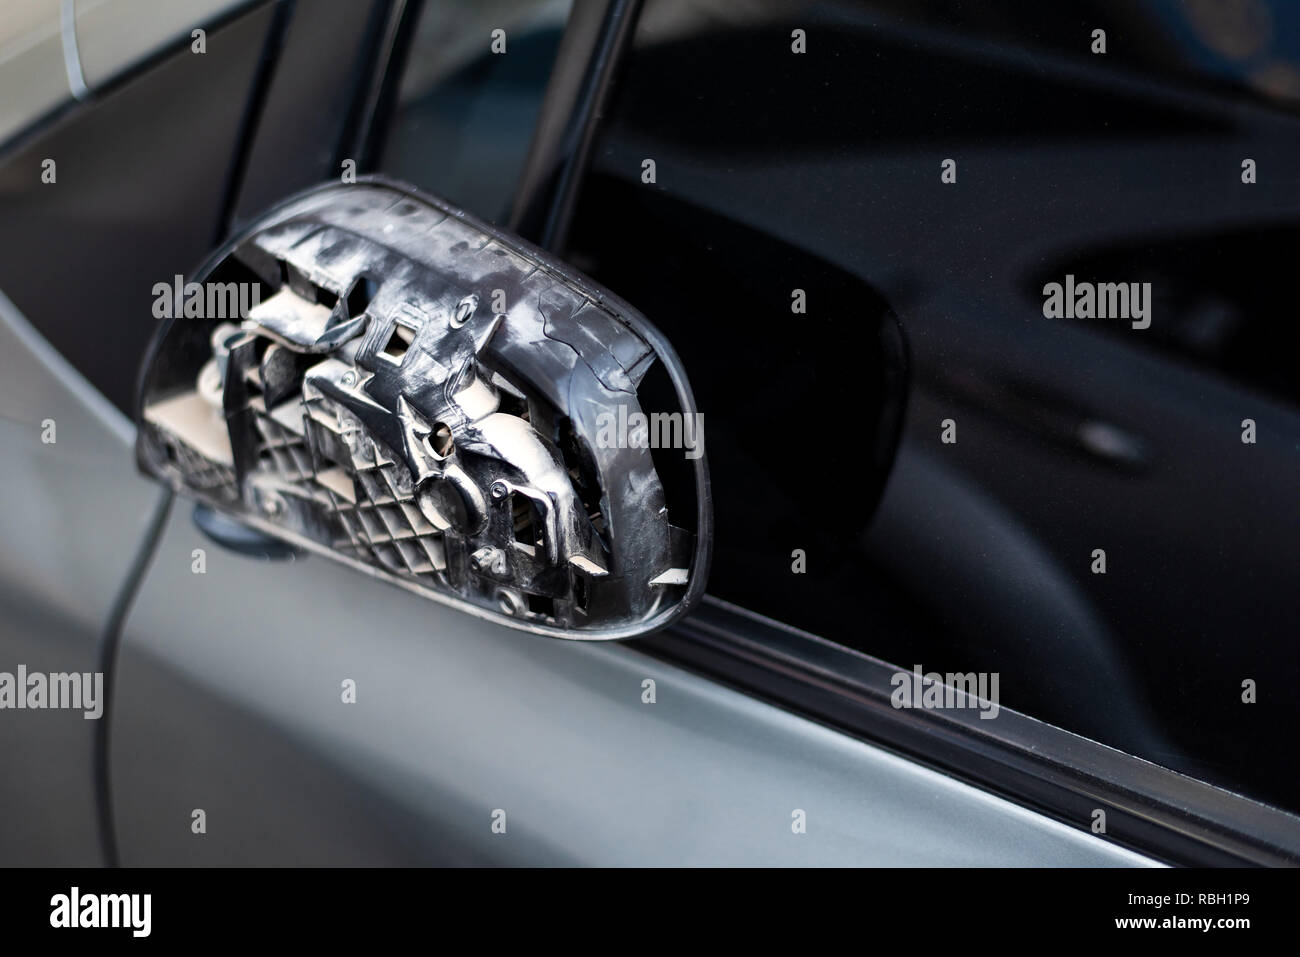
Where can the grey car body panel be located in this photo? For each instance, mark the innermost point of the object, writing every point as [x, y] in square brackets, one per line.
[71, 519]
[230, 701]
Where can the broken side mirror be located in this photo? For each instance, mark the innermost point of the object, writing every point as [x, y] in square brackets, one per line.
[373, 374]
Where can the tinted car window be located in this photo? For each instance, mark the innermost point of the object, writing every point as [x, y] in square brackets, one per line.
[84, 269]
[1097, 507]
[469, 97]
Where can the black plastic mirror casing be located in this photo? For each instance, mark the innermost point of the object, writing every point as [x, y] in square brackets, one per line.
[436, 403]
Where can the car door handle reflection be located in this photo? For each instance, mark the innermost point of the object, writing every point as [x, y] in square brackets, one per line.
[1053, 416]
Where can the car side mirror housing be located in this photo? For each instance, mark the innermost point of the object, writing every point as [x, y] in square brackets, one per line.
[370, 373]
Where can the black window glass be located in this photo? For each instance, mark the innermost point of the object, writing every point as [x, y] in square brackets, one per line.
[469, 96]
[1101, 510]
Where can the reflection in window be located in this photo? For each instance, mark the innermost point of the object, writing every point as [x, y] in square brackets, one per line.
[465, 111]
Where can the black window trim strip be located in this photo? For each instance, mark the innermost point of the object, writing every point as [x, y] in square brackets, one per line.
[596, 37]
[1149, 809]
[375, 93]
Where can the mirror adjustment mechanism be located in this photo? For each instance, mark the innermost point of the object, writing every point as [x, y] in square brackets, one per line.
[422, 396]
